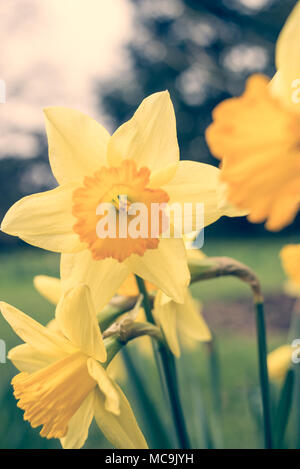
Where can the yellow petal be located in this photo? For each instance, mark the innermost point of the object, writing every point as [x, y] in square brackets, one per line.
[288, 60]
[39, 337]
[49, 287]
[190, 320]
[257, 140]
[45, 220]
[103, 277]
[78, 426]
[76, 316]
[225, 207]
[165, 315]
[149, 137]
[196, 183]
[195, 255]
[122, 431]
[166, 267]
[130, 288]
[292, 289]
[290, 258]
[184, 318]
[162, 176]
[28, 360]
[77, 144]
[279, 362]
[116, 369]
[106, 386]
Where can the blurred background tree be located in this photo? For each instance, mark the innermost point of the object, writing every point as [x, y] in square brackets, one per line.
[202, 52]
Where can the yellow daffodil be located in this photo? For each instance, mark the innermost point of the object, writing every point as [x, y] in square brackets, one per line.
[50, 288]
[139, 161]
[279, 361]
[290, 258]
[257, 138]
[62, 384]
[184, 318]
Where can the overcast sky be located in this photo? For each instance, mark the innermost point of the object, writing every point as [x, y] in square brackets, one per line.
[52, 52]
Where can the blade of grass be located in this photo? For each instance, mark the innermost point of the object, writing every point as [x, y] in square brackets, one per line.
[215, 380]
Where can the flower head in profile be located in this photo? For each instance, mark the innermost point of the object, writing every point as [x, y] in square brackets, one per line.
[138, 164]
[257, 138]
[63, 383]
[183, 321]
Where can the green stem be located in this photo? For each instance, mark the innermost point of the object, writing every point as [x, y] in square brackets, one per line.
[284, 408]
[167, 371]
[170, 373]
[263, 372]
[146, 301]
[146, 405]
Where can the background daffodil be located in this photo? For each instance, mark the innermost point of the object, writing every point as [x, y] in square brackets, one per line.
[256, 136]
[62, 384]
[290, 257]
[184, 319]
[140, 160]
[279, 361]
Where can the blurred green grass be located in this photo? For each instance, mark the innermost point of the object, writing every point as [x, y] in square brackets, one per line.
[237, 352]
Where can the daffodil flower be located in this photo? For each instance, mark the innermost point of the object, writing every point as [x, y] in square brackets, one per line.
[290, 258]
[63, 383]
[279, 361]
[183, 320]
[139, 161]
[256, 136]
[174, 318]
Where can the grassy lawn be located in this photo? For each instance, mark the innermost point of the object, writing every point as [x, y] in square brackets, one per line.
[237, 352]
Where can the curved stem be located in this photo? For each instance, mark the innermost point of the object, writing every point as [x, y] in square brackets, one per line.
[167, 371]
[225, 266]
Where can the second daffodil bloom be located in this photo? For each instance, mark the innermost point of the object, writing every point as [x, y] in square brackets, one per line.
[257, 138]
[174, 318]
[63, 385]
[184, 319]
[138, 164]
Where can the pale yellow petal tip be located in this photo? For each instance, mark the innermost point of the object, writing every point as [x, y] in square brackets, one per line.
[48, 287]
[176, 351]
[11, 353]
[112, 406]
[79, 290]
[5, 225]
[49, 109]
[4, 308]
[163, 96]
[179, 297]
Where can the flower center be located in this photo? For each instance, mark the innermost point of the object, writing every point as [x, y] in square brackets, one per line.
[51, 396]
[114, 211]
